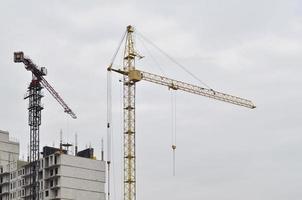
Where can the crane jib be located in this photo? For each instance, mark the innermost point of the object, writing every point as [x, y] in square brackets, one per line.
[137, 75]
[39, 72]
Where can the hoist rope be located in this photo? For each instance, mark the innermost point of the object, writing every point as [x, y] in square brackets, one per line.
[109, 119]
[118, 48]
[173, 134]
[172, 59]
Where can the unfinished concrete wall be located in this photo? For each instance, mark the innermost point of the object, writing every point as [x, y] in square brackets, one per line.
[9, 150]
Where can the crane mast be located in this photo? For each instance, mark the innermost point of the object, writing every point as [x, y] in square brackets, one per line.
[130, 77]
[129, 119]
[34, 94]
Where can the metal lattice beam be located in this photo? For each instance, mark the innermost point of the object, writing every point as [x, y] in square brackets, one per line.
[179, 85]
[34, 95]
[129, 120]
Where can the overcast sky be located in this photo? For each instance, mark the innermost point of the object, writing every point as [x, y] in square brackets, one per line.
[252, 49]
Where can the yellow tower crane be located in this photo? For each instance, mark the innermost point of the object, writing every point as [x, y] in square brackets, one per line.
[130, 77]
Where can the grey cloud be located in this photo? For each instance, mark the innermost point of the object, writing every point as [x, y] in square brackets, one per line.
[247, 48]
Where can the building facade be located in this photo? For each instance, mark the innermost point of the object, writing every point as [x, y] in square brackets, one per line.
[9, 150]
[63, 176]
[60, 176]
[9, 155]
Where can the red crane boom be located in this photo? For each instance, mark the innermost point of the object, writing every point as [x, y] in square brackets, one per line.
[39, 73]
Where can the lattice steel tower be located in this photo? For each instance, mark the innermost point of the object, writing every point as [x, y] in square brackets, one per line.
[129, 119]
[34, 95]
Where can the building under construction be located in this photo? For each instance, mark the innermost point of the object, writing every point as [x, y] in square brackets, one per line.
[60, 175]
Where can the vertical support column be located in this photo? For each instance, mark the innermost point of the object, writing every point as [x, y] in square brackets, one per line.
[34, 95]
[129, 119]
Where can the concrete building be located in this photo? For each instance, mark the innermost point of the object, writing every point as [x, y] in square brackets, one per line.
[60, 176]
[65, 176]
[9, 150]
[9, 155]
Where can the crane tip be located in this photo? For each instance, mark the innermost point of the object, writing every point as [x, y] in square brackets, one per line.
[18, 56]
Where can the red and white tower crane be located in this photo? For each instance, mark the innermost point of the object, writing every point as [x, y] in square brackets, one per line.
[35, 107]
